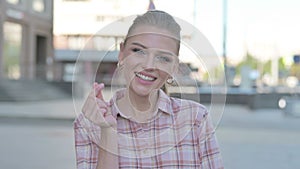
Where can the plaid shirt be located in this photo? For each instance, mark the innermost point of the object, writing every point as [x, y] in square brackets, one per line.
[180, 136]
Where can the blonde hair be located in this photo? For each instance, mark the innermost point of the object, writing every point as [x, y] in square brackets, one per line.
[158, 19]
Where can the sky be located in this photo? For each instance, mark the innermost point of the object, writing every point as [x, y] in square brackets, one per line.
[265, 28]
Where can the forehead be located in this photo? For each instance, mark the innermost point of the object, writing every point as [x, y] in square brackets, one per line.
[152, 37]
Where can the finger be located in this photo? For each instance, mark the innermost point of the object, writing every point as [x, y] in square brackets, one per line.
[98, 90]
[110, 121]
[103, 110]
[101, 103]
[108, 104]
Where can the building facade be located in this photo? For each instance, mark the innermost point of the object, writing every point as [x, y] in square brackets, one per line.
[87, 34]
[26, 41]
[80, 27]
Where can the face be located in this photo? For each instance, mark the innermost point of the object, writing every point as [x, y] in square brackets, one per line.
[149, 59]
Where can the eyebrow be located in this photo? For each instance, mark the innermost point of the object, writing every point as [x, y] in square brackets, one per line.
[139, 44]
[166, 53]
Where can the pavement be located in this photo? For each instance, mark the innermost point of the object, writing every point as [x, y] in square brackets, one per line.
[55, 109]
[62, 109]
[68, 108]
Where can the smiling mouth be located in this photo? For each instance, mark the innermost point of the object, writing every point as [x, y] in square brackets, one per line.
[144, 77]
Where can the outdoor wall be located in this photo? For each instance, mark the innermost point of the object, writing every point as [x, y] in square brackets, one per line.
[26, 40]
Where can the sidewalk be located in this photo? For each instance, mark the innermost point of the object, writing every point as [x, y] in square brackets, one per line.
[52, 109]
[59, 109]
[67, 109]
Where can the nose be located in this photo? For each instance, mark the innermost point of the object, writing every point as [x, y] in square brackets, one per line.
[149, 63]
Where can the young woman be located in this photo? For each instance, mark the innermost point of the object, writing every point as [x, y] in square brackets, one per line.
[141, 126]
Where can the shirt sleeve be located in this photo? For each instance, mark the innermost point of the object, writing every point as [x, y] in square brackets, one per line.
[87, 140]
[209, 151]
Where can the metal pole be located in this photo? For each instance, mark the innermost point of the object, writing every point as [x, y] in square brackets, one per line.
[225, 37]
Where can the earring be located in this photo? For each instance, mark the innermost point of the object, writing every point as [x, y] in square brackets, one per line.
[170, 80]
[119, 65]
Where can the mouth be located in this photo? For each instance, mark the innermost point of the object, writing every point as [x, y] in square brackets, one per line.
[145, 77]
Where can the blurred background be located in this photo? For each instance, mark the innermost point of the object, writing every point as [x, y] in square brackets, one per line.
[257, 49]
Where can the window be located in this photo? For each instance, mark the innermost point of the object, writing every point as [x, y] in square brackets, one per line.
[15, 2]
[38, 5]
[12, 49]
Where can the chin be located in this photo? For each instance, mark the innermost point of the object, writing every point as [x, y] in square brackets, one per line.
[141, 90]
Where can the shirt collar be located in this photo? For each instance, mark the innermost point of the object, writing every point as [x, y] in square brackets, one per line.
[164, 103]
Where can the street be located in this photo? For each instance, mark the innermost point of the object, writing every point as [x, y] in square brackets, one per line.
[36, 144]
[260, 139]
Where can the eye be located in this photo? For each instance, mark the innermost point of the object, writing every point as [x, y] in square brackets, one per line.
[163, 59]
[138, 51]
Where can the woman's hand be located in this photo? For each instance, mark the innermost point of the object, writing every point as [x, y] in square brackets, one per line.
[97, 110]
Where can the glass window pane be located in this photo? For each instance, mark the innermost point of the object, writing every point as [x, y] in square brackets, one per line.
[38, 5]
[13, 1]
[12, 49]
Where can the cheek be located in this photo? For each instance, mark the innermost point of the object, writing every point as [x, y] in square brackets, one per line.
[129, 68]
[163, 76]
[129, 64]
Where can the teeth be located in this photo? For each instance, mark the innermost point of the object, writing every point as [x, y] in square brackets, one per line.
[145, 77]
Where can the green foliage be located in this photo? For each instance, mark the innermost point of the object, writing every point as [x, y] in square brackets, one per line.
[249, 61]
[254, 64]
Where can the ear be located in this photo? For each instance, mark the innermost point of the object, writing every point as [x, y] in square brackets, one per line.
[121, 53]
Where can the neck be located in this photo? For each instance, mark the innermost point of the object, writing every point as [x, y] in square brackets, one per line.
[140, 108]
[142, 103]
